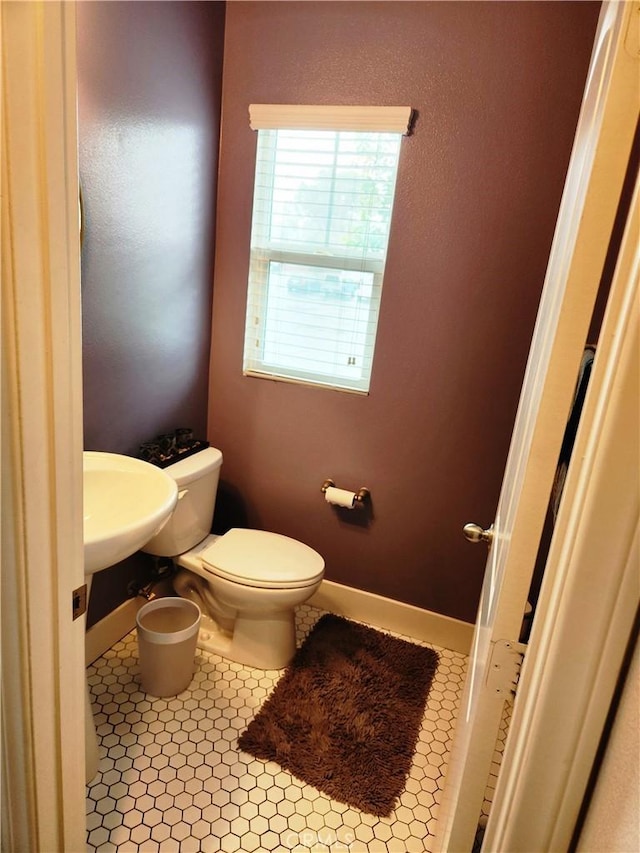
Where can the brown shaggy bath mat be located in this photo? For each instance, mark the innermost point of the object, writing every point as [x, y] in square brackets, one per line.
[346, 714]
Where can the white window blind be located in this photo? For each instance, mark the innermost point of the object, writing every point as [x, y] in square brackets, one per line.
[322, 208]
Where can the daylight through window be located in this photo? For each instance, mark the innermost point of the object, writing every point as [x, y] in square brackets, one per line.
[323, 200]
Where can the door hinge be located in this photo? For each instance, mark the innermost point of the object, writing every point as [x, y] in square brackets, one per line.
[79, 601]
[504, 667]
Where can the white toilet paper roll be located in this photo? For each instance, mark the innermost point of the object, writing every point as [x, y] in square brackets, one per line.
[340, 497]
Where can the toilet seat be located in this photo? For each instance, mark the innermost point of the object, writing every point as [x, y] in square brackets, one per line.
[261, 559]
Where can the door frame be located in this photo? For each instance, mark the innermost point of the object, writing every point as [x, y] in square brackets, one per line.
[589, 597]
[42, 747]
[591, 195]
[590, 593]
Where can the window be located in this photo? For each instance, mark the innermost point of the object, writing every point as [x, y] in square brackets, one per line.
[323, 198]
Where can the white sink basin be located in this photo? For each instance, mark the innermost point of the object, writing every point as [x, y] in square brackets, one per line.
[126, 501]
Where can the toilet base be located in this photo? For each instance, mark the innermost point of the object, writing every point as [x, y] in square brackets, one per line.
[263, 639]
[265, 643]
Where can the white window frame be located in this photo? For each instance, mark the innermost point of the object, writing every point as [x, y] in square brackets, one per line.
[305, 117]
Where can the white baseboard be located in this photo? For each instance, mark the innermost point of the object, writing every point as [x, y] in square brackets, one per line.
[395, 616]
[356, 604]
[117, 624]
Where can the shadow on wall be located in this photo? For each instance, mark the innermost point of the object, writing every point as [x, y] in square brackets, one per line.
[110, 587]
[358, 517]
[230, 510]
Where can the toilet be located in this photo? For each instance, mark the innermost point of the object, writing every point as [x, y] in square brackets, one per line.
[246, 582]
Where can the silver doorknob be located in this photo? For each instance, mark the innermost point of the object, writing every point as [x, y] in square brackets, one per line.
[475, 533]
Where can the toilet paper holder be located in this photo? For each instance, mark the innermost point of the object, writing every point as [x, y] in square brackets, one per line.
[360, 497]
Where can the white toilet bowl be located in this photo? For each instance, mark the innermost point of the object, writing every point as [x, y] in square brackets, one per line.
[246, 582]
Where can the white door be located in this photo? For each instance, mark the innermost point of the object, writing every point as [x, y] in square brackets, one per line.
[594, 180]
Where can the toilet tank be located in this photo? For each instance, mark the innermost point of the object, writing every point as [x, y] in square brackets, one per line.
[197, 478]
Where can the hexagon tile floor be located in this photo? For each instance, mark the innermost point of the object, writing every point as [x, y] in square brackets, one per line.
[172, 779]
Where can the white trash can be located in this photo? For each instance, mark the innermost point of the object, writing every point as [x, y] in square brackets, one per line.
[167, 636]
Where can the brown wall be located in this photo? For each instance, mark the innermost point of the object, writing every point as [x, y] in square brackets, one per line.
[498, 89]
[149, 107]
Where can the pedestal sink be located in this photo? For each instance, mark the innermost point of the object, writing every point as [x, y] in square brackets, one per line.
[126, 501]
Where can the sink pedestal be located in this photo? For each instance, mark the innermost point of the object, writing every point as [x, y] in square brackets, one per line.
[92, 754]
[126, 502]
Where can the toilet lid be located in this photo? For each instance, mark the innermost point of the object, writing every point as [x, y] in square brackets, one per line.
[262, 559]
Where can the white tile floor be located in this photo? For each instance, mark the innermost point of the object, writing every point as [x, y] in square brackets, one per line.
[172, 779]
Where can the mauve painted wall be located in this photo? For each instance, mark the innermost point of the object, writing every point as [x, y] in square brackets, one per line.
[149, 110]
[498, 89]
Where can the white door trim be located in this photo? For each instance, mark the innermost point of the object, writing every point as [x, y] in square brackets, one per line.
[589, 597]
[42, 648]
